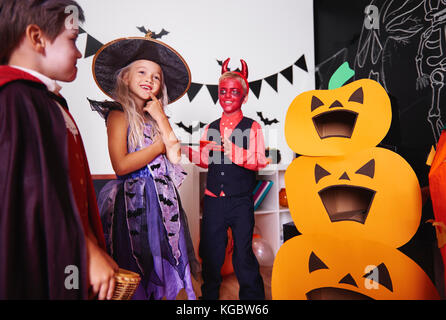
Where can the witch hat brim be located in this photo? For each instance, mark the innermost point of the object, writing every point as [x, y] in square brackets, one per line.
[119, 53]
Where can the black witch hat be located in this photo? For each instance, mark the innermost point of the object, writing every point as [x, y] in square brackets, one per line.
[119, 53]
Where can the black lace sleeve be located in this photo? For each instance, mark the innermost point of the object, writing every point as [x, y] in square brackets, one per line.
[104, 107]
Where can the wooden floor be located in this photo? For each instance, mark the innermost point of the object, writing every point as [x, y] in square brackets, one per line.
[229, 287]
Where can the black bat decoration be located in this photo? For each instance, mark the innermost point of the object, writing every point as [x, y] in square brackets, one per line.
[220, 63]
[161, 181]
[190, 129]
[166, 201]
[130, 194]
[155, 166]
[135, 213]
[132, 182]
[174, 218]
[266, 121]
[155, 35]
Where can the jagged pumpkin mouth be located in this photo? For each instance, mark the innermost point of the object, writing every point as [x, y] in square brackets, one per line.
[347, 203]
[336, 123]
[331, 293]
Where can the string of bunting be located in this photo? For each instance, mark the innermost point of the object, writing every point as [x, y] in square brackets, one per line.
[93, 45]
[254, 86]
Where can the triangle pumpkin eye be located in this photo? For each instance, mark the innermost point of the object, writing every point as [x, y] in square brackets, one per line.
[316, 103]
[320, 172]
[368, 169]
[315, 263]
[357, 96]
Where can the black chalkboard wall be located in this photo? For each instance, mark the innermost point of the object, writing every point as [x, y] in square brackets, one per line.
[402, 45]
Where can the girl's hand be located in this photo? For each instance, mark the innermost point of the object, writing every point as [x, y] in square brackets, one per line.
[154, 108]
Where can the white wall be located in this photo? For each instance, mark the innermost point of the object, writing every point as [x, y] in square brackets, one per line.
[269, 35]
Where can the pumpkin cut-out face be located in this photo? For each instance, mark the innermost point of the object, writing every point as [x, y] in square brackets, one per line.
[326, 267]
[370, 194]
[338, 121]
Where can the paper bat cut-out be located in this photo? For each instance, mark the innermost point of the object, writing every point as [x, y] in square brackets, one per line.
[220, 63]
[266, 121]
[190, 129]
[155, 35]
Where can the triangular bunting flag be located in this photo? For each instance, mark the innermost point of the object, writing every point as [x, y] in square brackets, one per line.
[288, 74]
[213, 91]
[272, 81]
[81, 30]
[301, 63]
[255, 86]
[193, 90]
[92, 46]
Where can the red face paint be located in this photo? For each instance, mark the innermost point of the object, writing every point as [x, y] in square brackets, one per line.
[231, 95]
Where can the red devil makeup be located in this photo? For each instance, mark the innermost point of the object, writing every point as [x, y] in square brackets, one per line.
[231, 95]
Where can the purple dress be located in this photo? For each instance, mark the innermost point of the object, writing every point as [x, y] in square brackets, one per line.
[146, 229]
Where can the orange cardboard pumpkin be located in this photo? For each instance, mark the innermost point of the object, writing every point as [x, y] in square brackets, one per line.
[326, 267]
[338, 121]
[370, 194]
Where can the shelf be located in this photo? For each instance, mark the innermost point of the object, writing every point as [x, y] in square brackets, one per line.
[284, 210]
[265, 211]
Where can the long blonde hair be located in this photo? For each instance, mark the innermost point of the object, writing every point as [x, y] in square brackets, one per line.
[134, 116]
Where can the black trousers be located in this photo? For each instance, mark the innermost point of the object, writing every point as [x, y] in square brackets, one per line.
[236, 212]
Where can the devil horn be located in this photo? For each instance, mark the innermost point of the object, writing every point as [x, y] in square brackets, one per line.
[224, 67]
[244, 68]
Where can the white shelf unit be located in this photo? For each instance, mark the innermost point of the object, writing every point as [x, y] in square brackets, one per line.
[269, 216]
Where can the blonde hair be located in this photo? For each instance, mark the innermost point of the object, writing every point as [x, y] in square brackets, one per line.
[134, 115]
[233, 75]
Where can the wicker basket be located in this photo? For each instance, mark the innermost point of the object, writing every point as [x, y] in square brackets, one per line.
[126, 284]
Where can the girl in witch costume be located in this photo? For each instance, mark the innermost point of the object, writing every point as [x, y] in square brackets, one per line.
[144, 223]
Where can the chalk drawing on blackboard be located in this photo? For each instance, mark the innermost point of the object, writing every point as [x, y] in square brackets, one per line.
[431, 61]
[397, 22]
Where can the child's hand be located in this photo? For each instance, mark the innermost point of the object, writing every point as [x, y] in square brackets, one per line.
[101, 272]
[154, 108]
[227, 148]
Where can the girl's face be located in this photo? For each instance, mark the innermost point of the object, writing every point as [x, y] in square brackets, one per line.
[144, 76]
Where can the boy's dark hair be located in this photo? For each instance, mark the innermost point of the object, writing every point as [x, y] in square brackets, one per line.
[16, 15]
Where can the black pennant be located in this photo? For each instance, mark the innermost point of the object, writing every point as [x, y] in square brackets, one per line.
[193, 90]
[272, 81]
[301, 63]
[255, 86]
[288, 74]
[213, 91]
[92, 46]
[81, 30]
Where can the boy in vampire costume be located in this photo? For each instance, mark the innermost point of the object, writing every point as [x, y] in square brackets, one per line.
[237, 151]
[51, 240]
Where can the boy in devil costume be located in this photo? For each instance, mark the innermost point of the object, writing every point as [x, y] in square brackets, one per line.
[51, 240]
[233, 158]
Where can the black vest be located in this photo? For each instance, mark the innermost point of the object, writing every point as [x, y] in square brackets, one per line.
[222, 173]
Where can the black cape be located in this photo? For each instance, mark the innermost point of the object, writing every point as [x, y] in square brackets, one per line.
[42, 243]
